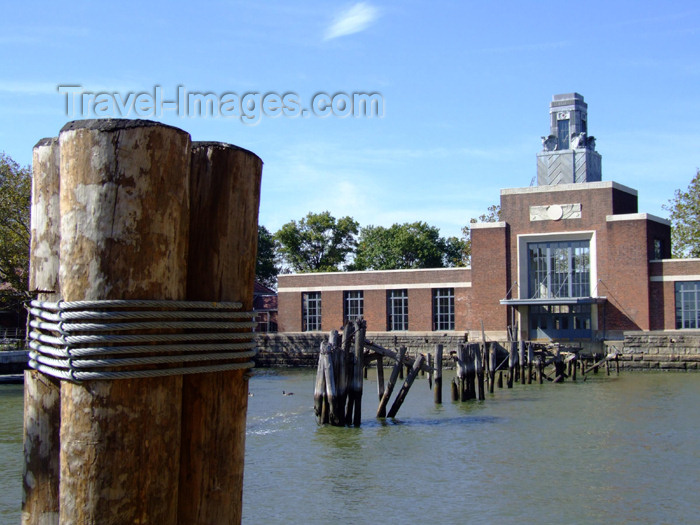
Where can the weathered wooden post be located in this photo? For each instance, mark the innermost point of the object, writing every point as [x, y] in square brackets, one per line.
[478, 366]
[470, 365]
[521, 359]
[320, 400]
[360, 327]
[461, 377]
[381, 410]
[559, 366]
[492, 367]
[437, 393]
[124, 234]
[530, 359]
[224, 201]
[511, 364]
[42, 393]
[380, 377]
[406, 386]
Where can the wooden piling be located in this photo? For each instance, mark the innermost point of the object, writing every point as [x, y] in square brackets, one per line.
[530, 359]
[381, 410]
[492, 367]
[461, 375]
[320, 389]
[124, 234]
[360, 327]
[559, 366]
[511, 364]
[224, 200]
[479, 368]
[437, 392]
[380, 377]
[42, 393]
[401, 396]
[521, 359]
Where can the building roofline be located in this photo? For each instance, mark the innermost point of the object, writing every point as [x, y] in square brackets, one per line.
[483, 225]
[578, 186]
[359, 272]
[678, 260]
[637, 217]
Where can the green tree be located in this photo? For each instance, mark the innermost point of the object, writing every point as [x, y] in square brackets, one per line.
[15, 203]
[317, 243]
[493, 214]
[265, 268]
[404, 246]
[684, 210]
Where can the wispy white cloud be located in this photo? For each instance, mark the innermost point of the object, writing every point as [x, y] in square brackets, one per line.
[27, 87]
[353, 20]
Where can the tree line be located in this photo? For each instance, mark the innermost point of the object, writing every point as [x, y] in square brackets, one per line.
[319, 242]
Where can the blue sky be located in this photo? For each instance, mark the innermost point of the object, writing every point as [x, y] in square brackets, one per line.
[466, 88]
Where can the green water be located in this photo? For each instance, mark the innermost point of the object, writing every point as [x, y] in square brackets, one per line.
[611, 450]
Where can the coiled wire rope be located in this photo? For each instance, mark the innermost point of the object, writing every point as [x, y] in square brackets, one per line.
[122, 339]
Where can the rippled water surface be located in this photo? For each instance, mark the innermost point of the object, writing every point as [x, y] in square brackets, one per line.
[611, 450]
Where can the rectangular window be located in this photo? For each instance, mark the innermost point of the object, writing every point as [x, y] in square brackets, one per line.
[559, 269]
[687, 304]
[354, 305]
[444, 309]
[397, 310]
[563, 133]
[311, 311]
[658, 249]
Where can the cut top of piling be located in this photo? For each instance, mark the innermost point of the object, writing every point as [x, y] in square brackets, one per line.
[114, 124]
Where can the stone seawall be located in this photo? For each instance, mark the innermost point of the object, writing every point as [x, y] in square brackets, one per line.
[676, 350]
[670, 350]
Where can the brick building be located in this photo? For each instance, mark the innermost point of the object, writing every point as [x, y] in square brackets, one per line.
[572, 259]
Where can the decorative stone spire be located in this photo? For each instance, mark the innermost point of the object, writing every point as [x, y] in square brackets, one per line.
[568, 154]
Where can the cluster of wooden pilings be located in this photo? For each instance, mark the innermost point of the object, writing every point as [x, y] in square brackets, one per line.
[134, 210]
[479, 367]
[342, 364]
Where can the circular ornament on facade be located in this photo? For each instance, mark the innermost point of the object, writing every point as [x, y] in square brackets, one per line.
[555, 212]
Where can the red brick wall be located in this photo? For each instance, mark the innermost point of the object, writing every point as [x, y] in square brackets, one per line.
[332, 310]
[623, 274]
[289, 314]
[375, 310]
[420, 310]
[490, 267]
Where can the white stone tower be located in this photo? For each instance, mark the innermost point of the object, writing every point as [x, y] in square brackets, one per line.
[568, 154]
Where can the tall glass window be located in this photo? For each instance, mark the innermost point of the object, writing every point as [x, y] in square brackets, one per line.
[397, 309]
[443, 309]
[687, 304]
[563, 133]
[354, 305]
[559, 269]
[311, 311]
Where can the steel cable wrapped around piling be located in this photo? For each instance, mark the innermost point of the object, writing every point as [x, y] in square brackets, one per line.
[76, 341]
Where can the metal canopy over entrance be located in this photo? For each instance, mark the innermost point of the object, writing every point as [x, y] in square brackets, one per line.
[561, 318]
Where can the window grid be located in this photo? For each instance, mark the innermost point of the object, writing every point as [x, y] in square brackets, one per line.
[397, 301]
[687, 304]
[354, 305]
[311, 312]
[443, 309]
[559, 269]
